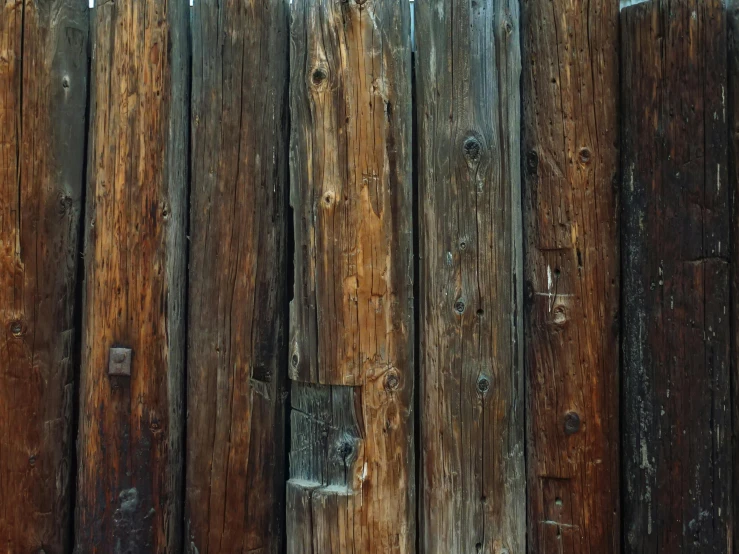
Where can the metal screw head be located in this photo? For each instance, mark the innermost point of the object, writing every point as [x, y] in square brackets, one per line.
[572, 423]
[120, 361]
[483, 384]
[459, 307]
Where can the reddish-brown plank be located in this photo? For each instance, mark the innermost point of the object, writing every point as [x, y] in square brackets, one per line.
[237, 369]
[43, 89]
[571, 164]
[129, 496]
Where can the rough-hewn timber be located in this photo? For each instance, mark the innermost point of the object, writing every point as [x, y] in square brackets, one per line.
[570, 160]
[236, 365]
[676, 401]
[351, 320]
[131, 428]
[732, 113]
[43, 88]
[468, 65]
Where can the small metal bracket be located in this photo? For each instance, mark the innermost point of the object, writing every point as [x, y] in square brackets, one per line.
[120, 361]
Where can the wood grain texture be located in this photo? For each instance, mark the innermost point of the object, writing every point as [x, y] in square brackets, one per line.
[351, 319]
[732, 114]
[676, 400]
[131, 428]
[571, 164]
[43, 90]
[468, 66]
[237, 288]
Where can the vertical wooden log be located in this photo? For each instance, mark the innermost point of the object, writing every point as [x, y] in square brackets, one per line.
[676, 412]
[131, 426]
[468, 66]
[352, 478]
[43, 91]
[732, 113]
[571, 161]
[236, 389]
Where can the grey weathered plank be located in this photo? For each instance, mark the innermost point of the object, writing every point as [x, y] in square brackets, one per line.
[43, 90]
[351, 319]
[571, 270]
[129, 496]
[237, 288]
[468, 66]
[676, 381]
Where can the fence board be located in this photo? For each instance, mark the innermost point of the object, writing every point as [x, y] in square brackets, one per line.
[732, 113]
[236, 353]
[468, 67]
[676, 416]
[570, 150]
[131, 427]
[43, 88]
[351, 319]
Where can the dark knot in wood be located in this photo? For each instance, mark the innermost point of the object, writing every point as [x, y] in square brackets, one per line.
[572, 423]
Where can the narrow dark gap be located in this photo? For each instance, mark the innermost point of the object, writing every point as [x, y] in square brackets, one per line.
[186, 311]
[79, 290]
[416, 294]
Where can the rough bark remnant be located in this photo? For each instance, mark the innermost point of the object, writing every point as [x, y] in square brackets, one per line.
[236, 366]
[570, 160]
[468, 65]
[676, 400]
[43, 89]
[351, 320]
[131, 428]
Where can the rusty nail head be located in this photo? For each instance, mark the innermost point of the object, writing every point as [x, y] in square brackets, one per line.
[120, 361]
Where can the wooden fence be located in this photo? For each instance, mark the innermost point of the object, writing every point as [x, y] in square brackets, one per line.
[337, 276]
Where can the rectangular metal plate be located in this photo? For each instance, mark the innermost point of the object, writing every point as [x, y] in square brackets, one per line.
[120, 361]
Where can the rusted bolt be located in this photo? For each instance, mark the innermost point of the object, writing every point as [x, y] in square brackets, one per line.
[584, 156]
[572, 423]
[120, 361]
[16, 328]
[459, 307]
[392, 381]
[483, 384]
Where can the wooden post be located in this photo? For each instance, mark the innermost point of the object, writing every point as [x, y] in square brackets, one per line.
[237, 316]
[571, 163]
[43, 89]
[468, 65]
[732, 114]
[676, 412]
[131, 427]
[352, 478]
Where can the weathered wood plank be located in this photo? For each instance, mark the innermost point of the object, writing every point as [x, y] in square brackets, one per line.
[131, 428]
[571, 162]
[351, 319]
[236, 366]
[468, 66]
[43, 91]
[732, 113]
[676, 400]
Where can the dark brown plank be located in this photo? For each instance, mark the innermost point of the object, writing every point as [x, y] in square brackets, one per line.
[571, 161]
[131, 427]
[43, 90]
[351, 319]
[732, 114]
[676, 411]
[468, 66]
[236, 354]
